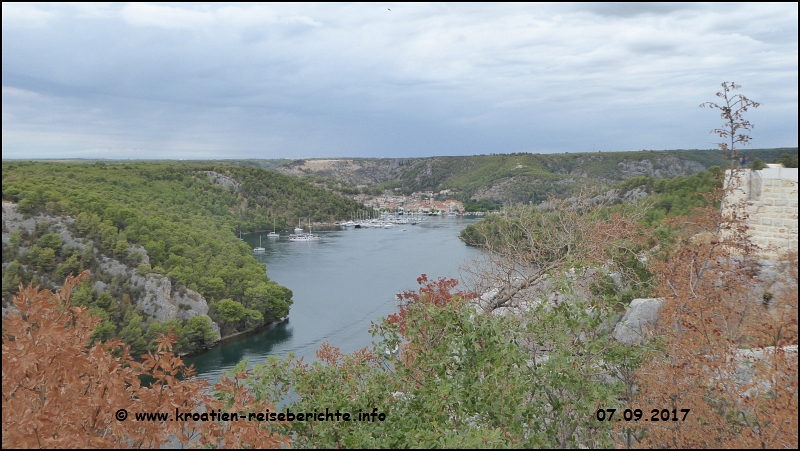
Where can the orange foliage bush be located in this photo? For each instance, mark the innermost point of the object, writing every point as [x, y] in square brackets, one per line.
[714, 319]
[58, 392]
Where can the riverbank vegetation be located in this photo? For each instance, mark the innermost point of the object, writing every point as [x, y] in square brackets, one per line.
[167, 220]
[666, 198]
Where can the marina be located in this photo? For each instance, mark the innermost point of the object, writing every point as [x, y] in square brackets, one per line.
[384, 221]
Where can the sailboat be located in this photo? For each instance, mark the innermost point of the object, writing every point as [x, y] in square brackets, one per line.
[304, 236]
[259, 249]
[273, 234]
[298, 229]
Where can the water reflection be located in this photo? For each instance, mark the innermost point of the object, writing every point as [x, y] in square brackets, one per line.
[231, 353]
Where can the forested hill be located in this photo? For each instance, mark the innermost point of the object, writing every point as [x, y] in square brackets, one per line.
[159, 239]
[516, 178]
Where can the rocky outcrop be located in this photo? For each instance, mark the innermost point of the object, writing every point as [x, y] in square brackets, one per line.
[161, 302]
[528, 294]
[157, 299]
[749, 363]
[641, 317]
[354, 171]
[223, 180]
[660, 167]
[114, 267]
[499, 189]
[14, 221]
[639, 321]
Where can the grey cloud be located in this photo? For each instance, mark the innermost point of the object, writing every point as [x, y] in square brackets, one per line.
[645, 47]
[273, 80]
[633, 9]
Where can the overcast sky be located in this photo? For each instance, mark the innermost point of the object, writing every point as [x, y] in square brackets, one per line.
[387, 80]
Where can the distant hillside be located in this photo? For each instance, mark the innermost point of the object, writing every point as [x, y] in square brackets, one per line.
[160, 242]
[517, 178]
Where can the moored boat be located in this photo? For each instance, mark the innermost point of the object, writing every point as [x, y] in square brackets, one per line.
[273, 234]
[259, 249]
[303, 237]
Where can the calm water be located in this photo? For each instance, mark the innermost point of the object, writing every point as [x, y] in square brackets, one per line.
[341, 284]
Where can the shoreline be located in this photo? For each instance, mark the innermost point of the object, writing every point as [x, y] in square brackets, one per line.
[234, 337]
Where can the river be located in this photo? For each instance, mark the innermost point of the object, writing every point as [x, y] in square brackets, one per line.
[341, 284]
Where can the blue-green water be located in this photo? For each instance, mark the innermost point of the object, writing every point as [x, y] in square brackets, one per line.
[341, 284]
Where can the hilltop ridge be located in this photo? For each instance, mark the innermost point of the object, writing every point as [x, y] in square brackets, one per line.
[515, 178]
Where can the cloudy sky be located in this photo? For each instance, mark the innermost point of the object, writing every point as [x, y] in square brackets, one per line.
[386, 79]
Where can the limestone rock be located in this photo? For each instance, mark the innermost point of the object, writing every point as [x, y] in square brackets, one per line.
[158, 298]
[215, 328]
[160, 301]
[155, 300]
[9, 310]
[100, 286]
[639, 320]
[114, 267]
[190, 303]
[223, 180]
[747, 367]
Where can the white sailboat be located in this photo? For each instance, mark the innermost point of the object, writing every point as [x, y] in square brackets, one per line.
[273, 234]
[304, 236]
[298, 229]
[259, 249]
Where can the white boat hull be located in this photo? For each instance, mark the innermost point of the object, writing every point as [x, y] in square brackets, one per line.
[303, 237]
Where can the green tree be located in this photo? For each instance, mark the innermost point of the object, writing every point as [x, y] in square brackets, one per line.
[51, 240]
[121, 249]
[71, 266]
[758, 164]
[106, 302]
[233, 312]
[214, 286]
[84, 294]
[46, 260]
[25, 205]
[15, 239]
[199, 333]
[131, 333]
[108, 236]
[11, 278]
[787, 161]
[269, 298]
[104, 331]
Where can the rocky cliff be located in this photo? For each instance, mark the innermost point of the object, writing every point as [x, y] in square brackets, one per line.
[151, 292]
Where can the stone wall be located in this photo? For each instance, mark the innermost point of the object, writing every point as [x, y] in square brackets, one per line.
[769, 199]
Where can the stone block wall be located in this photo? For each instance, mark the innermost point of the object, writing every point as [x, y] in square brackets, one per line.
[769, 199]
